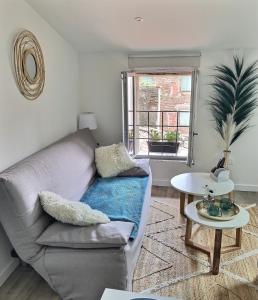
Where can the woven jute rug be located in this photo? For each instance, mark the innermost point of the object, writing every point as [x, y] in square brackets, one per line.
[167, 267]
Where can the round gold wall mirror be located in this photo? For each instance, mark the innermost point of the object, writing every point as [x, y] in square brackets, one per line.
[29, 65]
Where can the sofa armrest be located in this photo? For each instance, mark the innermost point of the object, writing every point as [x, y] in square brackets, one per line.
[111, 235]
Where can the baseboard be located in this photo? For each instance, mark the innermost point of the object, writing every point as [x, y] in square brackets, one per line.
[238, 187]
[8, 270]
[161, 182]
[246, 187]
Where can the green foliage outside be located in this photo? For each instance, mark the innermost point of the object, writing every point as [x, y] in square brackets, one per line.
[170, 136]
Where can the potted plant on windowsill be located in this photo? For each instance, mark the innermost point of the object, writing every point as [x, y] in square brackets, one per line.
[169, 144]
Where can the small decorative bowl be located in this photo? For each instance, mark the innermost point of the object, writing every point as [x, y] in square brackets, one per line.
[217, 210]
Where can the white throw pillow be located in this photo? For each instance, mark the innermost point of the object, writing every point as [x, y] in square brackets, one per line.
[112, 160]
[71, 212]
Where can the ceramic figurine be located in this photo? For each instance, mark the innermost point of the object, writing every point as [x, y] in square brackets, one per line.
[214, 210]
[225, 204]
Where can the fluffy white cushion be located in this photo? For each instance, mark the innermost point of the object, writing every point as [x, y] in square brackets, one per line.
[111, 160]
[71, 212]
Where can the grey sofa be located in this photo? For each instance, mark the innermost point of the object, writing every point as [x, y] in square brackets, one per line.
[67, 168]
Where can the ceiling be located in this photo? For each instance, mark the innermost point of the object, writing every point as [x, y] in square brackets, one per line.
[109, 25]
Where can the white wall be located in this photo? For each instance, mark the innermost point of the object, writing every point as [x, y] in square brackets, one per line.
[101, 93]
[27, 126]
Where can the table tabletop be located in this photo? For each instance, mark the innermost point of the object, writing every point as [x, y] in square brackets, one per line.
[194, 184]
[240, 220]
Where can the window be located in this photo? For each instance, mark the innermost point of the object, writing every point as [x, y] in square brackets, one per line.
[185, 84]
[158, 114]
[184, 118]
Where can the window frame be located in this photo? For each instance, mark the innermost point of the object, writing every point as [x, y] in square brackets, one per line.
[194, 87]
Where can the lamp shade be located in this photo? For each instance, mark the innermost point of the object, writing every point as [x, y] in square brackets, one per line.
[87, 120]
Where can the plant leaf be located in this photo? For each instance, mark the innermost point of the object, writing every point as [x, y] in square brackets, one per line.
[234, 99]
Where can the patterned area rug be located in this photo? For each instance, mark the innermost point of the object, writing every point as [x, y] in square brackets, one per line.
[167, 267]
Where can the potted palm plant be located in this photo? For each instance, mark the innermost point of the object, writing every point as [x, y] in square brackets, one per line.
[169, 144]
[233, 101]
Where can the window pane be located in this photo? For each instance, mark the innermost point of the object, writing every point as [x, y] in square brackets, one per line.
[147, 98]
[130, 139]
[146, 81]
[142, 147]
[184, 118]
[130, 118]
[170, 134]
[184, 141]
[155, 133]
[162, 115]
[141, 132]
[169, 118]
[186, 83]
[130, 94]
[141, 118]
[155, 118]
[130, 132]
[183, 133]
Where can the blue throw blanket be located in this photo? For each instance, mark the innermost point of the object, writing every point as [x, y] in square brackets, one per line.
[121, 198]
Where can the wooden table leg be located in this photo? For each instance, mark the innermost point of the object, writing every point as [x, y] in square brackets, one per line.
[238, 237]
[217, 252]
[182, 203]
[231, 196]
[190, 198]
[188, 231]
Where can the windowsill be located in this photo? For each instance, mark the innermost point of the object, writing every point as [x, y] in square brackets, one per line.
[160, 158]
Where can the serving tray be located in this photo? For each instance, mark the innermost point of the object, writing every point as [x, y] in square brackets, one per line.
[226, 215]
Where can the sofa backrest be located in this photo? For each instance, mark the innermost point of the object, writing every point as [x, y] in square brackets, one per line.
[65, 167]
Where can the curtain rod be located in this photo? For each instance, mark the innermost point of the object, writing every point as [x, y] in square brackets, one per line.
[165, 54]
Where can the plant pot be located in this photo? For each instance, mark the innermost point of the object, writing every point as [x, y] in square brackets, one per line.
[226, 155]
[165, 147]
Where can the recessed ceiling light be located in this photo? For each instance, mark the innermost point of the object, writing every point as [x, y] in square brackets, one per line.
[138, 19]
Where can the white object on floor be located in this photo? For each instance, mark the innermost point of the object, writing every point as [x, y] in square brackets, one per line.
[194, 184]
[110, 294]
[241, 219]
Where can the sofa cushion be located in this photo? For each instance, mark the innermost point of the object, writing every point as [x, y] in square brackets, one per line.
[111, 235]
[71, 212]
[113, 159]
[141, 169]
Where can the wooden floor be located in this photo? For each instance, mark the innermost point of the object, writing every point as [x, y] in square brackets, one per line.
[26, 284]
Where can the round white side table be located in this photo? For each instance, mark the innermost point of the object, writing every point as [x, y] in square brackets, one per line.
[214, 254]
[193, 184]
